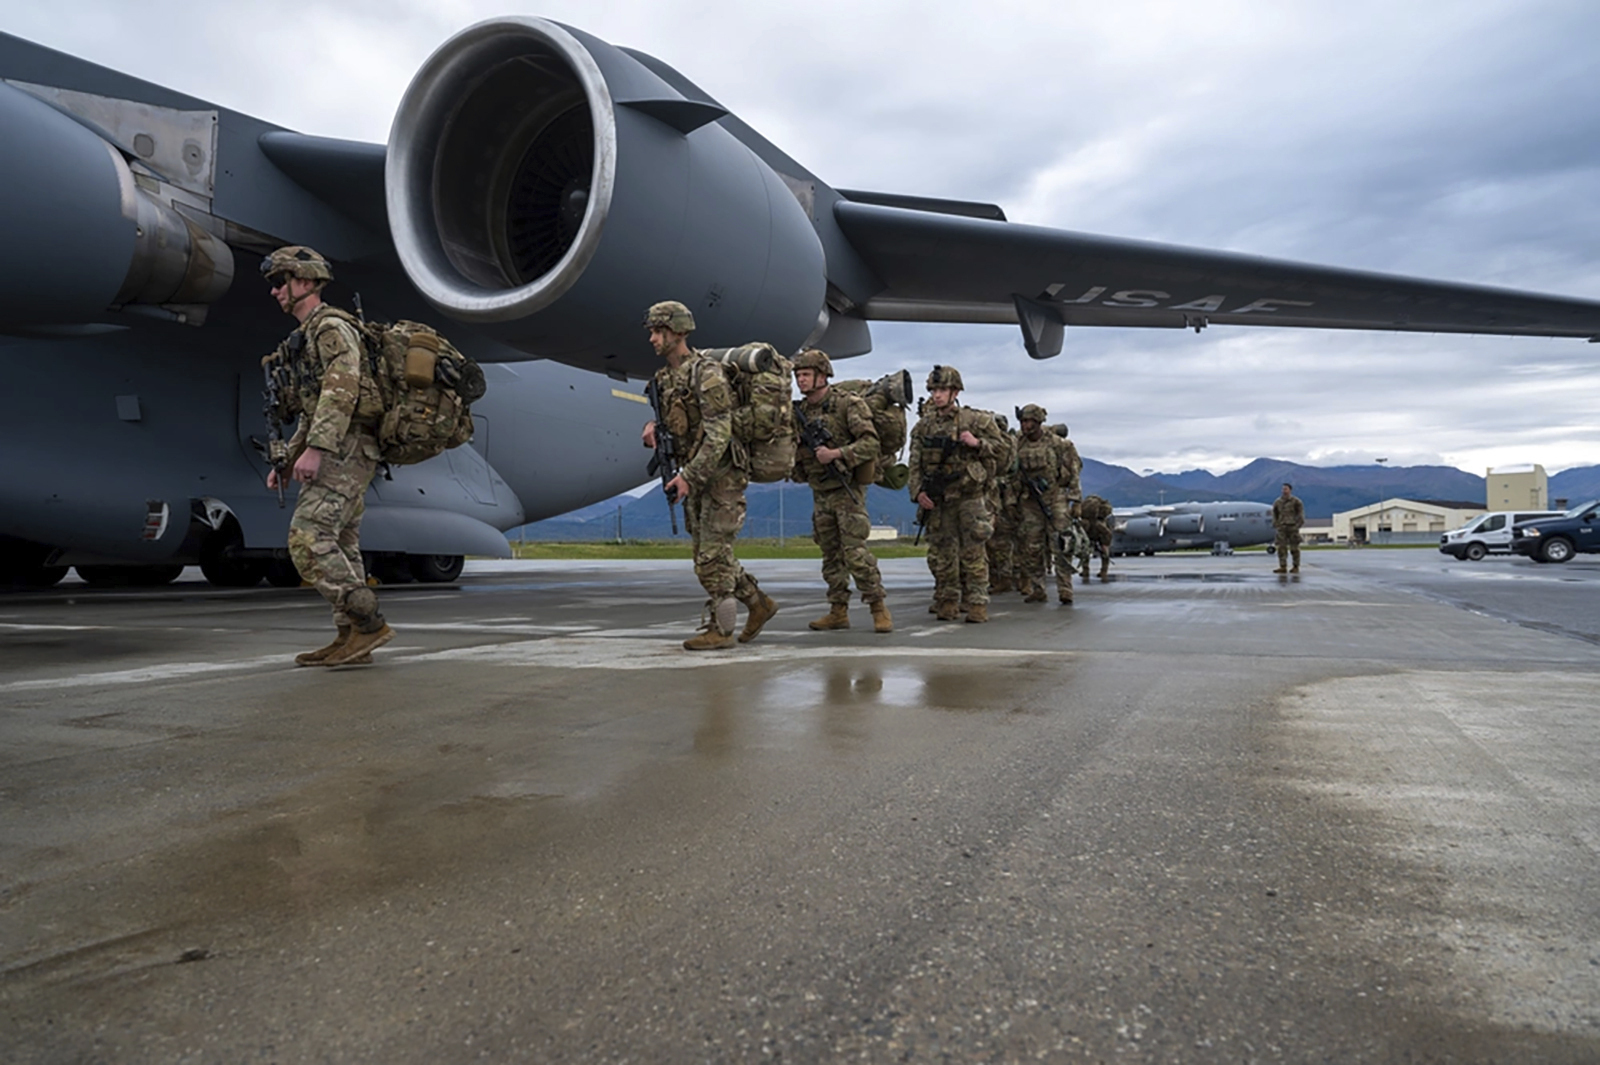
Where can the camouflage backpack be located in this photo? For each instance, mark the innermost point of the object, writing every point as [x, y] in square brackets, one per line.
[1005, 461]
[1094, 508]
[428, 390]
[888, 397]
[763, 420]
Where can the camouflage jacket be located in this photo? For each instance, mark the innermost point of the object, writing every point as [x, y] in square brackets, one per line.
[697, 403]
[1288, 513]
[937, 458]
[333, 394]
[848, 420]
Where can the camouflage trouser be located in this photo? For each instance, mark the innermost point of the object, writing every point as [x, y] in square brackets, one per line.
[840, 526]
[1098, 533]
[1078, 549]
[958, 529]
[1037, 542]
[1287, 543]
[325, 532]
[1002, 547]
[714, 515]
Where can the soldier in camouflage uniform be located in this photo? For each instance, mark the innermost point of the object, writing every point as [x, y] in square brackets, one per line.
[1048, 480]
[838, 473]
[1096, 513]
[1002, 546]
[1288, 514]
[332, 455]
[953, 455]
[698, 411]
[1072, 550]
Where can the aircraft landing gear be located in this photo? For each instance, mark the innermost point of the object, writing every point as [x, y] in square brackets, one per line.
[222, 563]
[437, 569]
[22, 565]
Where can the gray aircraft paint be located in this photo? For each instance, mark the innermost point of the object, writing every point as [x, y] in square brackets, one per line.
[1179, 526]
[132, 318]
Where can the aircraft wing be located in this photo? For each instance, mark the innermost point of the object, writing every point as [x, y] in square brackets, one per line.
[940, 265]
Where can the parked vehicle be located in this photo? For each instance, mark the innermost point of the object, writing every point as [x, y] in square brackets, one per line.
[1489, 534]
[1558, 539]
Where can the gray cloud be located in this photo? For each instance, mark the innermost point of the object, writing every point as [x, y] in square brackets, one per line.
[1454, 139]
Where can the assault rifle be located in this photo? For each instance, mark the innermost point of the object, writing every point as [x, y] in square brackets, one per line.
[274, 374]
[1037, 487]
[665, 460]
[814, 434]
[933, 485]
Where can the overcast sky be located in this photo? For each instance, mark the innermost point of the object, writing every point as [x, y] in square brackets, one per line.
[1455, 140]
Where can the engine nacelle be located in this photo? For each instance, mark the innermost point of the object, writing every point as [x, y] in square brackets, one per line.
[83, 237]
[536, 174]
[1142, 528]
[1186, 524]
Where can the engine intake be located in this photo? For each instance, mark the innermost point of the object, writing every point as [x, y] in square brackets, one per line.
[538, 177]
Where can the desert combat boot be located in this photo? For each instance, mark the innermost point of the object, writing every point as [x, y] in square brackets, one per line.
[718, 632]
[881, 621]
[761, 610]
[837, 617]
[357, 650]
[321, 654]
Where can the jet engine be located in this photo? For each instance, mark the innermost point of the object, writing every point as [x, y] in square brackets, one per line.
[536, 174]
[1142, 528]
[1185, 524]
[82, 236]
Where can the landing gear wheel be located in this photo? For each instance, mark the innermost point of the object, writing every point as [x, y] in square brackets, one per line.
[437, 569]
[1556, 549]
[388, 568]
[282, 574]
[221, 562]
[1475, 552]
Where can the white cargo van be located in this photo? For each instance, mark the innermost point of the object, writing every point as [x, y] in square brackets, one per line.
[1490, 534]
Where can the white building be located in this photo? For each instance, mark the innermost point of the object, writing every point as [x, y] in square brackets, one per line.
[1402, 521]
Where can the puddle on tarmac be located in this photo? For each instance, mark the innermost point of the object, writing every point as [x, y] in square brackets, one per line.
[1209, 578]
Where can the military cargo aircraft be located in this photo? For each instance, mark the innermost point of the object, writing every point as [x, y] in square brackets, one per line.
[539, 187]
[1180, 526]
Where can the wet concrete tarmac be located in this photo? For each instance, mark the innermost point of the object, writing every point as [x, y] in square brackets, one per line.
[1205, 814]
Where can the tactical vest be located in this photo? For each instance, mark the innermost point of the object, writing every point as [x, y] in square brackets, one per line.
[832, 412]
[1038, 458]
[940, 454]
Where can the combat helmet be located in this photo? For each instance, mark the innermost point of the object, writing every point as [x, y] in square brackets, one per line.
[812, 359]
[1032, 413]
[297, 260]
[944, 377]
[670, 313]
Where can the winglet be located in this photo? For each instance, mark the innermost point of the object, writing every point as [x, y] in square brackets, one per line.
[685, 116]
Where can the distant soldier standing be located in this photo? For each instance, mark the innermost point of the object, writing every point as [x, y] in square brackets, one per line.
[333, 453]
[1045, 474]
[953, 453]
[698, 409]
[1096, 514]
[839, 522]
[1288, 514]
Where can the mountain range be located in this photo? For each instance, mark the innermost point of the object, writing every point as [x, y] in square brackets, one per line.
[785, 509]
